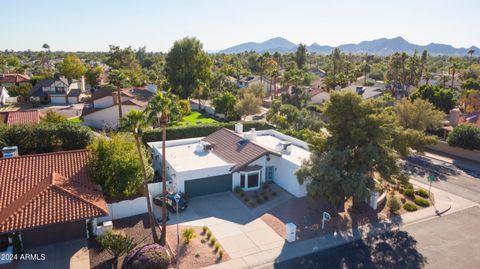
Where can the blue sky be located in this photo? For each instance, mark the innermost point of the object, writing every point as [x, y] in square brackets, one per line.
[93, 25]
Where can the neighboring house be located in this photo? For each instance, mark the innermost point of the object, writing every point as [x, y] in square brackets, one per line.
[367, 92]
[19, 117]
[226, 159]
[7, 80]
[245, 82]
[319, 72]
[48, 198]
[3, 95]
[320, 98]
[102, 113]
[58, 90]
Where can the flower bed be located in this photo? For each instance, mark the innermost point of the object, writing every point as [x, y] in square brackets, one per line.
[257, 197]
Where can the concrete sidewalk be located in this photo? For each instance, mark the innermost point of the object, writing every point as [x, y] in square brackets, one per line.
[288, 251]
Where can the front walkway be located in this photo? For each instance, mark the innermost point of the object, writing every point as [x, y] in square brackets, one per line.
[444, 200]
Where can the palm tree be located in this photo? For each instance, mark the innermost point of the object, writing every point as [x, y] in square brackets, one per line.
[118, 79]
[454, 66]
[470, 53]
[160, 110]
[134, 121]
[366, 70]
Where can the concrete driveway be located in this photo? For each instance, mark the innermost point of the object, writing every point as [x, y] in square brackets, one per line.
[67, 255]
[236, 227]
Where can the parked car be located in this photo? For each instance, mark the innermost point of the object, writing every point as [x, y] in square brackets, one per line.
[171, 204]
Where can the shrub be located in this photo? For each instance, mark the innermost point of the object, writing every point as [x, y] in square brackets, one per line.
[197, 255]
[409, 186]
[188, 234]
[209, 234]
[421, 202]
[423, 193]
[212, 240]
[393, 204]
[246, 199]
[220, 253]
[204, 229]
[252, 204]
[237, 190]
[409, 207]
[116, 243]
[242, 194]
[217, 246]
[465, 136]
[182, 132]
[203, 241]
[184, 105]
[409, 193]
[149, 256]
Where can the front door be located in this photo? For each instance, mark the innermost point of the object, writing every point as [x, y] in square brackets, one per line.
[269, 170]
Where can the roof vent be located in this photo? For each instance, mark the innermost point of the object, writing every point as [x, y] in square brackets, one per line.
[284, 147]
[203, 147]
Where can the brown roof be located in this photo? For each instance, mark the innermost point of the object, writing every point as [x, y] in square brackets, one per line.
[43, 189]
[20, 117]
[233, 148]
[100, 93]
[13, 78]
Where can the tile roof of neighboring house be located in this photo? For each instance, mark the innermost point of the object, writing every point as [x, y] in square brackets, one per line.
[14, 78]
[471, 118]
[89, 110]
[100, 93]
[20, 117]
[226, 146]
[45, 189]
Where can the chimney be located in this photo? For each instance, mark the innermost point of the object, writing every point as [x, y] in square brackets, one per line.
[238, 128]
[82, 84]
[454, 117]
[252, 135]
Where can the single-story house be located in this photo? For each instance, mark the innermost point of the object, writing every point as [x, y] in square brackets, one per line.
[247, 81]
[7, 80]
[48, 198]
[19, 117]
[58, 90]
[226, 159]
[102, 113]
[367, 92]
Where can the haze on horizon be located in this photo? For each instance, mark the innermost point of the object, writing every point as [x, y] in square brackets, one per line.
[94, 25]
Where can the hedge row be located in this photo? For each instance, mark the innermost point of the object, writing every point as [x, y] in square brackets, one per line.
[182, 132]
[45, 137]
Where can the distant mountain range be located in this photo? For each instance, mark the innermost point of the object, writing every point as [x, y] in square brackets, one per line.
[382, 46]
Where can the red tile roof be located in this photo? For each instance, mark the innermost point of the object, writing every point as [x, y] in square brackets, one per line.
[20, 117]
[43, 189]
[226, 146]
[13, 78]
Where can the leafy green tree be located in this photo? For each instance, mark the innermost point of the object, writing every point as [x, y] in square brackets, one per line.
[298, 98]
[187, 66]
[248, 104]
[465, 136]
[115, 165]
[21, 90]
[418, 114]
[470, 100]
[71, 67]
[134, 122]
[365, 138]
[471, 84]
[161, 109]
[301, 56]
[443, 99]
[224, 103]
[93, 75]
[126, 61]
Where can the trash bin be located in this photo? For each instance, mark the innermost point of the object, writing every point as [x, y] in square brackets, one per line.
[291, 231]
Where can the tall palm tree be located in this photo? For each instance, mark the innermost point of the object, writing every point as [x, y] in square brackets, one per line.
[118, 79]
[454, 66]
[134, 122]
[160, 110]
[470, 53]
[366, 69]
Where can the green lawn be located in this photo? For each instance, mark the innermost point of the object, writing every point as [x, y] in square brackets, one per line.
[195, 118]
[75, 120]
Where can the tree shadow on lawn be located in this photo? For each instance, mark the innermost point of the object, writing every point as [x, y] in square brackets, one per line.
[392, 249]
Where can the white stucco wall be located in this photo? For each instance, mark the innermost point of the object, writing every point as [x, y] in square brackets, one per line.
[107, 118]
[284, 176]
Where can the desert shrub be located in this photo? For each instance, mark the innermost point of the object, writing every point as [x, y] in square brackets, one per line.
[212, 240]
[217, 246]
[149, 256]
[423, 193]
[252, 204]
[188, 234]
[409, 186]
[409, 193]
[209, 234]
[421, 202]
[197, 255]
[204, 229]
[409, 207]
[203, 241]
[246, 199]
[393, 204]
[116, 243]
[220, 253]
[465, 136]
